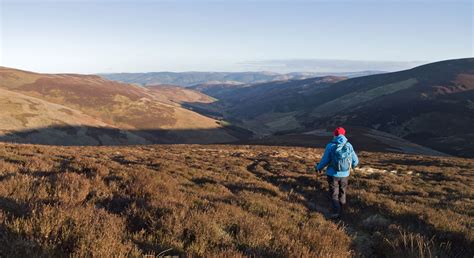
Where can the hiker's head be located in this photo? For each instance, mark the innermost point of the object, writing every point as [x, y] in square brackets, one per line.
[339, 131]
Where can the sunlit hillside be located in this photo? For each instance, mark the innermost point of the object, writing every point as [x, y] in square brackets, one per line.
[93, 111]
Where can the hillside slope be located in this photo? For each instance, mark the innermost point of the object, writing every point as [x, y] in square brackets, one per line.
[431, 105]
[215, 89]
[267, 107]
[245, 201]
[177, 94]
[127, 107]
[31, 120]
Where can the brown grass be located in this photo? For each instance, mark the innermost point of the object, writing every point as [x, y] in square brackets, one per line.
[232, 201]
[30, 101]
[178, 94]
[122, 105]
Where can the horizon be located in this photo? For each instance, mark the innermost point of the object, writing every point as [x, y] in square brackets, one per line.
[93, 37]
[391, 65]
[328, 73]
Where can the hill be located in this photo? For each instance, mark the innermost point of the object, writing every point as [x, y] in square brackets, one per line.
[135, 110]
[267, 106]
[430, 105]
[187, 79]
[227, 200]
[31, 120]
[177, 94]
[216, 88]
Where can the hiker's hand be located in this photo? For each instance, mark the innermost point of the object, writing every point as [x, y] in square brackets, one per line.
[319, 171]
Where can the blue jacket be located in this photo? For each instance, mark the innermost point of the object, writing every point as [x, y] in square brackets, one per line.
[326, 160]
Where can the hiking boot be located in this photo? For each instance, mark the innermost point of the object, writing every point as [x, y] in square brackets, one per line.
[335, 216]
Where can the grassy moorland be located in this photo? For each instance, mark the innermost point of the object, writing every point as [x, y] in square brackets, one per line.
[74, 109]
[228, 201]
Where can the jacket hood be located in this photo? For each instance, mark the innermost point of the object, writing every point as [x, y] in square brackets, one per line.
[339, 140]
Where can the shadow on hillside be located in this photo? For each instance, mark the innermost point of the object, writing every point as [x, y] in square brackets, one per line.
[312, 134]
[103, 136]
[12, 207]
[458, 245]
[13, 243]
[314, 200]
[106, 136]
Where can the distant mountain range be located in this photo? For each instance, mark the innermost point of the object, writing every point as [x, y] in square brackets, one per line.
[187, 79]
[432, 105]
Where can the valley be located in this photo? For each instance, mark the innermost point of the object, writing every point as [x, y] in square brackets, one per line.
[430, 105]
[399, 111]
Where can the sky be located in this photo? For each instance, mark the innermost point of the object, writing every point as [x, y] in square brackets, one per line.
[282, 36]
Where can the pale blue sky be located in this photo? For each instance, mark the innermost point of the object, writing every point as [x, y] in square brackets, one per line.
[142, 36]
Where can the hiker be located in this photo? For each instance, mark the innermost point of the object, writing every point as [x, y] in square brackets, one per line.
[339, 157]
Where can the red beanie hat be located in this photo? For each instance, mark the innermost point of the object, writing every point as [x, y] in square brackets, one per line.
[339, 131]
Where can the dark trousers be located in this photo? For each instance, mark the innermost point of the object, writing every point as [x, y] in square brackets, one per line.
[337, 192]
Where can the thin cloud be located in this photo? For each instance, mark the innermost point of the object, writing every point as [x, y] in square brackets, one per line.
[327, 65]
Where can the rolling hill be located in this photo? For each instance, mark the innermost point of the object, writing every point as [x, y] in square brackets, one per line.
[112, 108]
[216, 88]
[427, 109]
[178, 94]
[187, 79]
[431, 105]
[251, 101]
[31, 120]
